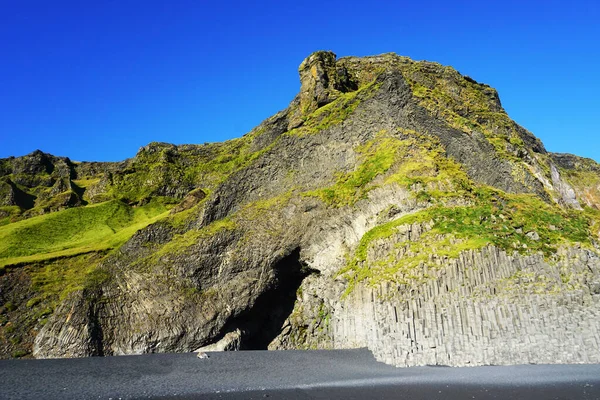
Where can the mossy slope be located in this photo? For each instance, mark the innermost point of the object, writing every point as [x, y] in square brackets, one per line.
[74, 231]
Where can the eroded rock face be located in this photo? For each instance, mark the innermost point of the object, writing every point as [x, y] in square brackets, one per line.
[485, 308]
[317, 79]
[565, 190]
[190, 200]
[322, 81]
[261, 252]
[581, 175]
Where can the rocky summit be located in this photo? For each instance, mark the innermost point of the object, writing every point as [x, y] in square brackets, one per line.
[393, 205]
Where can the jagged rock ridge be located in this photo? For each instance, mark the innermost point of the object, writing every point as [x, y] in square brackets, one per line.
[392, 205]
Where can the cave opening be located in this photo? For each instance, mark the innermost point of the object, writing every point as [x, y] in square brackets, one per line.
[263, 322]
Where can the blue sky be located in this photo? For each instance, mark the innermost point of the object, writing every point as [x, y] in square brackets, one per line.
[98, 80]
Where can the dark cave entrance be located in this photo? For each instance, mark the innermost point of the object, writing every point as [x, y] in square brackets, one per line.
[261, 324]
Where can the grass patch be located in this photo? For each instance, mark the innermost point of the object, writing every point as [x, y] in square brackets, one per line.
[222, 160]
[85, 182]
[8, 214]
[465, 105]
[340, 109]
[376, 157]
[180, 242]
[337, 111]
[19, 353]
[407, 158]
[74, 231]
[424, 161]
[495, 218]
[55, 280]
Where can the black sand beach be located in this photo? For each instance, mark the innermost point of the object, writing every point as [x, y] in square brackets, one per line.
[338, 374]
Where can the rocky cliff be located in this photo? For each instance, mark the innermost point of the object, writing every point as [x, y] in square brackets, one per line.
[392, 205]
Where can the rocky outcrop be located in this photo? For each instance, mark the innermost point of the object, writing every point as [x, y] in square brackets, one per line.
[582, 175]
[232, 341]
[567, 193]
[393, 205]
[322, 81]
[190, 200]
[38, 183]
[12, 195]
[485, 308]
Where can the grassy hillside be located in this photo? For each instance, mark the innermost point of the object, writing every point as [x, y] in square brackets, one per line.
[74, 231]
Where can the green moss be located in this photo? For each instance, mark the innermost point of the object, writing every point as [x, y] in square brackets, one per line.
[465, 105]
[15, 340]
[181, 219]
[406, 158]
[8, 214]
[495, 218]
[33, 302]
[337, 111]
[340, 109]
[226, 158]
[156, 170]
[86, 182]
[534, 283]
[159, 165]
[323, 318]
[19, 353]
[258, 211]
[424, 161]
[376, 157]
[74, 231]
[256, 215]
[55, 280]
[516, 141]
[180, 242]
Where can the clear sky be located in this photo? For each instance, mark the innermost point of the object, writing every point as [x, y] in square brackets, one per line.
[96, 80]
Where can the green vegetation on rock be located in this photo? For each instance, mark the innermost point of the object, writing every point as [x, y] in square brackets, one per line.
[467, 106]
[55, 280]
[74, 231]
[376, 157]
[584, 176]
[337, 111]
[7, 213]
[406, 158]
[521, 223]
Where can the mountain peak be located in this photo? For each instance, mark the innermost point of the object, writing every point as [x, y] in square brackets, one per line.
[322, 81]
[387, 190]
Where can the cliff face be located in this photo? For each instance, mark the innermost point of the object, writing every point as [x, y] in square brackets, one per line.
[392, 205]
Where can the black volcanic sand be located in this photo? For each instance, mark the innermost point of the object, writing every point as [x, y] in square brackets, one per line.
[336, 374]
